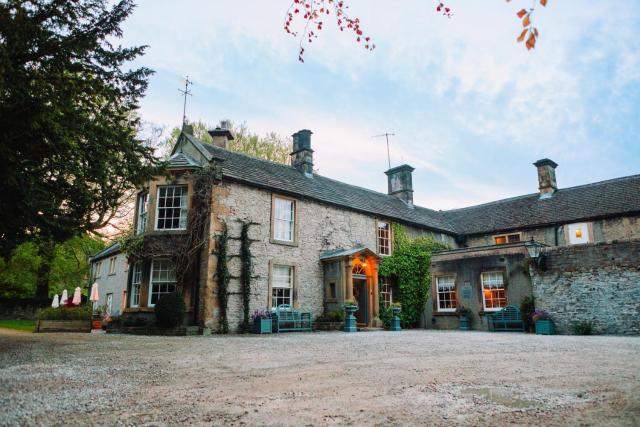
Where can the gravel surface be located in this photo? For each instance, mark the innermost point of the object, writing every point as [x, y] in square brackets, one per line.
[367, 378]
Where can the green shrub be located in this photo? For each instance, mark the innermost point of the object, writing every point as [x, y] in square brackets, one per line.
[170, 310]
[527, 306]
[584, 327]
[66, 313]
[386, 314]
[335, 316]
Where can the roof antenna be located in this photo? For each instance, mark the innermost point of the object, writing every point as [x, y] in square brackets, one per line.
[386, 135]
[186, 92]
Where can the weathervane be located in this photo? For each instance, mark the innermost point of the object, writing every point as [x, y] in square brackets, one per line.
[186, 92]
[386, 135]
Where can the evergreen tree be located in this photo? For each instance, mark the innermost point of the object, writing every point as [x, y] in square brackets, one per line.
[68, 146]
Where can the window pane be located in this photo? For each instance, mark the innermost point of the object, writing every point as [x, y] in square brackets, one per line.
[283, 224]
[384, 238]
[163, 279]
[446, 293]
[172, 207]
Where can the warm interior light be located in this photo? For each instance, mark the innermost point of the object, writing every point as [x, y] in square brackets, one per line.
[501, 240]
[579, 233]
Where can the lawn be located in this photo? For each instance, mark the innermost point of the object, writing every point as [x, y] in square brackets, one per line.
[20, 325]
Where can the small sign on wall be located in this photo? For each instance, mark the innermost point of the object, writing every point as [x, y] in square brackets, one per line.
[466, 290]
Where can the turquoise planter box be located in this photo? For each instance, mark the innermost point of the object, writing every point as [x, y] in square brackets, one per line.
[545, 327]
[262, 326]
[350, 319]
[465, 324]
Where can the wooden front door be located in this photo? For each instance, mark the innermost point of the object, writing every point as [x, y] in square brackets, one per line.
[362, 296]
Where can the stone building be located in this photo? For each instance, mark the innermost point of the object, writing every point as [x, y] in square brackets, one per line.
[110, 270]
[316, 242]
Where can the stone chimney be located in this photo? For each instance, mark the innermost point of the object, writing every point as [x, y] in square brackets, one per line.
[221, 135]
[400, 183]
[302, 155]
[546, 177]
[187, 128]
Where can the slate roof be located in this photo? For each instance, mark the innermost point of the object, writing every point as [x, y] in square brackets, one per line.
[614, 197]
[182, 160]
[338, 253]
[109, 250]
[288, 180]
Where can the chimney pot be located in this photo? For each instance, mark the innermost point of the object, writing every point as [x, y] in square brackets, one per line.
[221, 135]
[546, 177]
[400, 183]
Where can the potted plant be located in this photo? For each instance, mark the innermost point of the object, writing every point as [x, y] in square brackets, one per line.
[544, 323]
[464, 314]
[395, 319]
[350, 307]
[261, 321]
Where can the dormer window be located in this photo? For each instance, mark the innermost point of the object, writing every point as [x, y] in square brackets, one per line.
[171, 210]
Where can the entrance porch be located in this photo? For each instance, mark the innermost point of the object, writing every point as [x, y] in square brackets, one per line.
[352, 274]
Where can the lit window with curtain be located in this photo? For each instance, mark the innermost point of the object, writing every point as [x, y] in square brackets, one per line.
[284, 219]
[446, 293]
[281, 285]
[494, 295]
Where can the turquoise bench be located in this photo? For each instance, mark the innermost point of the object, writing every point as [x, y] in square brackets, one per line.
[286, 319]
[507, 319]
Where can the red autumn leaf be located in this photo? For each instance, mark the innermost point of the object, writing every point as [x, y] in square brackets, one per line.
[522, 13]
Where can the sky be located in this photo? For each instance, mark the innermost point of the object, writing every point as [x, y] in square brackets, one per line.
[471, 109]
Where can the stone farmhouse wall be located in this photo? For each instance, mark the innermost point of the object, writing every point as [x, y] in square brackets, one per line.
[609, 229]
[597, 282]
[320, 228]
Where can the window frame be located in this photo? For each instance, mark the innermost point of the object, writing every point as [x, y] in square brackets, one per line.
[98, 269]
[150, 290]
[389, 238]
[453, 291]
[108, 302]
[272, 288]
[112, 265]
[294, 230]
[384, 281]
[506, 237]
[184, 209]
[136, 287]
[142, 217]
[482, 288]
[587, 231]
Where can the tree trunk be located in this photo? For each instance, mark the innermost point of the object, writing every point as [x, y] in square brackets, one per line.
[46, 252]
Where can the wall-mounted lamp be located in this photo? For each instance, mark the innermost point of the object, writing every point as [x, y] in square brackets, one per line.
[535, 252]
[363, 261]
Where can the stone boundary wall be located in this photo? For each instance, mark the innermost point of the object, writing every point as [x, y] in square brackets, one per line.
[597, 282]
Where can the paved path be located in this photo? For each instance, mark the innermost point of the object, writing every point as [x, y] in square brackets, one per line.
[371, 378]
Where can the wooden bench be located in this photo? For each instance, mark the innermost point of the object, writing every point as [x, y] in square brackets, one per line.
[507, 319]
[286, 319]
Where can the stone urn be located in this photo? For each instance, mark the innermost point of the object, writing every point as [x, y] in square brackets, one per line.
[349, 318]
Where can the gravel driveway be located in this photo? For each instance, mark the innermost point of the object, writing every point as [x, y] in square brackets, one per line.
[367, 378]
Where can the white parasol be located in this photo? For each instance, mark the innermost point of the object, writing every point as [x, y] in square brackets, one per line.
[64, 298]
[76, 296]
[95, 295]
[56, 302]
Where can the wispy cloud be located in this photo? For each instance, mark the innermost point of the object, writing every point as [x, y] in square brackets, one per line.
[471, 109]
